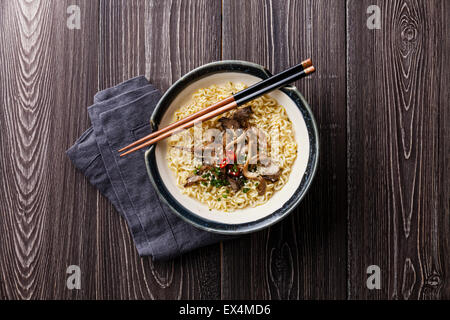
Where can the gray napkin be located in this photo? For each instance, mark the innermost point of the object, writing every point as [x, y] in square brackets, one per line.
[119, 116]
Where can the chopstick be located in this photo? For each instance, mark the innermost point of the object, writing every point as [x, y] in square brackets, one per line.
[254, 88]
[230, 106]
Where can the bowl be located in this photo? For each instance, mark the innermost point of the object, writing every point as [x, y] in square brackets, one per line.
[243, 220]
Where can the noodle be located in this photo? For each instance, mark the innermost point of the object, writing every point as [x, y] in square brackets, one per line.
[267, 115]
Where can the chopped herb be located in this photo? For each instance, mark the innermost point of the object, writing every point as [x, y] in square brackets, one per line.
[215, 170]
[245, 190]
[218, 199]
[216, 183]
[204, 183]
[257, 184]
[224, 196]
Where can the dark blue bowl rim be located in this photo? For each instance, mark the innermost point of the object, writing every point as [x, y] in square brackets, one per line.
[214, 226]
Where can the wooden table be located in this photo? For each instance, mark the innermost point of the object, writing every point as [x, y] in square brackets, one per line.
[380, 97]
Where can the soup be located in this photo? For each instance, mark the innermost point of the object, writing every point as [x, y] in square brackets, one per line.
[236, 160]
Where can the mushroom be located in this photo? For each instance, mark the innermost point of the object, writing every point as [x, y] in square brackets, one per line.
[193, 180]
[248, 174]
[227, 123]
[234, 184]
[204, 168]
[261, 187]
[271, 172]
[242, 115]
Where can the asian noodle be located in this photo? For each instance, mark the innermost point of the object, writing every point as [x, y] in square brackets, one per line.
[211, 184]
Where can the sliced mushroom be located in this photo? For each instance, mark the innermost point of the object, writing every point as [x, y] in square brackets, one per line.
[193, 180]
[242, 115]
[234, 184]
[273, 178]
[271, 172]
[247, 173]
[204, 168]
[261, 187]
[223, 173]
[227, 123]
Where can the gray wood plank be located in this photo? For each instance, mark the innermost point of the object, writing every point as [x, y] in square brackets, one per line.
[305, 255]
[397, 156]
[180, 36]
[48, 76]
[162, 40]
[398, 151]
[121, 274]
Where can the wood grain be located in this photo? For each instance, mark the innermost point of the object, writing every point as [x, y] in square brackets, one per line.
[179, 36]
[121, 273]
[132, 34]
[46, 209]
[303, 256]
[380, 97]
[397, 148]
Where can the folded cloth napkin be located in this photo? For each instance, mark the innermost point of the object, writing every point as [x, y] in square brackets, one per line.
[119, 116]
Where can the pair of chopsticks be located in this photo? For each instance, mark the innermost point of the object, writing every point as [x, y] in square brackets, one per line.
[242, 97]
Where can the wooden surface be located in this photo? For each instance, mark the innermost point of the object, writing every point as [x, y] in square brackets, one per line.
[380, 197]
[398, 150]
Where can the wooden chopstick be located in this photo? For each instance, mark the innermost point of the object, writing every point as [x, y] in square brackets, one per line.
[254, 88]
[230, 106]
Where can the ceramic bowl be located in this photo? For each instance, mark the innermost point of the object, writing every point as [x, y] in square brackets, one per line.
[248, 219]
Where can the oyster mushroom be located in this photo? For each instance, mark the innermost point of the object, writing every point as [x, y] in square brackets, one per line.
[261, 187]
[234, 184]
[193, 180]
[242, 115]
[270, 172]
[246, 172]
[227, 123]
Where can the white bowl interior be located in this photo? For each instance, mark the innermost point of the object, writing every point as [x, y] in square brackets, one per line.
[247, 214]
